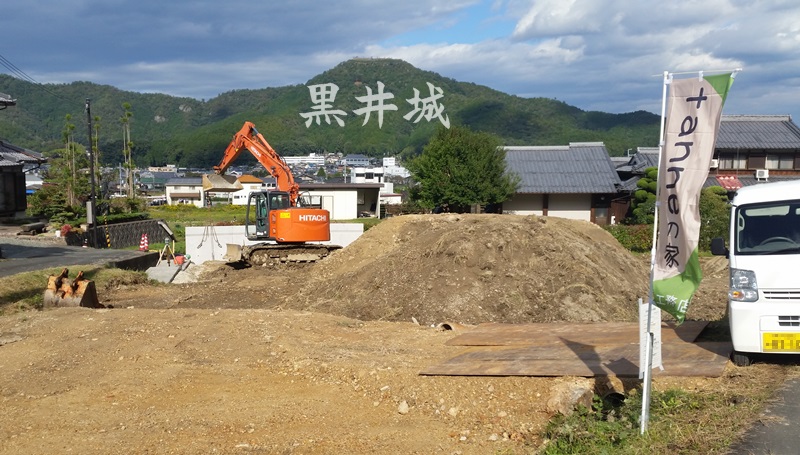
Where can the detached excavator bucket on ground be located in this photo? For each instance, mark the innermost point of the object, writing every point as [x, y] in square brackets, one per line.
[216, 183]
[63, 292]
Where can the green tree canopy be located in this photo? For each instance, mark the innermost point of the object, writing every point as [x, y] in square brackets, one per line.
[460, 167]
[715, 215]
[643, 204]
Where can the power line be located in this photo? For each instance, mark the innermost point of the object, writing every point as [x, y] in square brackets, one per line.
[19, 74]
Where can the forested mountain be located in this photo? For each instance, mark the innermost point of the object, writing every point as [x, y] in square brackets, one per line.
[194, 133]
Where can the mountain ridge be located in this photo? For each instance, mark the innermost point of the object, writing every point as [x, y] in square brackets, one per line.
[190, 132]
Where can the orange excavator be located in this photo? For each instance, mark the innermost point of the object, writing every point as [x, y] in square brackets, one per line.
[281, 219]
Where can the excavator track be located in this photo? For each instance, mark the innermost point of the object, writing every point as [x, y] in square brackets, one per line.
[269, 254]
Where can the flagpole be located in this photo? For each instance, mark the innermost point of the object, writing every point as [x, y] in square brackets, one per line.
[648, 368]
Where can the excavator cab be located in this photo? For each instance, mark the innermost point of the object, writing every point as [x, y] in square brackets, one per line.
[259, 206]
[271, 216]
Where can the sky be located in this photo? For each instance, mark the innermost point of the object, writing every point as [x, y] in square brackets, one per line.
[604, 55]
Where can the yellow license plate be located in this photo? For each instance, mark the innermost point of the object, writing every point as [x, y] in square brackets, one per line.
[780, 342]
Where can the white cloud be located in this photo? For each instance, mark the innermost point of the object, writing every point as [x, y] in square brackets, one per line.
[594, 54]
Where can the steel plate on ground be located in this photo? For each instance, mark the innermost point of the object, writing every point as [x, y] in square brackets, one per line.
[497, 334]
[706, 359]
[564, 349]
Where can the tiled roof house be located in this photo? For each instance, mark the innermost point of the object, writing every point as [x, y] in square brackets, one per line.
[577, 181]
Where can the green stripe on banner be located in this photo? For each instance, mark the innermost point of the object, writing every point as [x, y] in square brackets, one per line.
[674, 294]
[721, 83]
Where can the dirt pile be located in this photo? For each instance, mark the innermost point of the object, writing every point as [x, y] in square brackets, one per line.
[478, 268]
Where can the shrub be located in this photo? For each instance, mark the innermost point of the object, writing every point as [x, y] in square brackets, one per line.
[637, 238]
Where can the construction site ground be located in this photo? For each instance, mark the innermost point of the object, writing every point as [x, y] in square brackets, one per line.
[325, 358]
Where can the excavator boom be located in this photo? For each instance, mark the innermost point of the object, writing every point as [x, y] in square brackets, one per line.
[250, 139]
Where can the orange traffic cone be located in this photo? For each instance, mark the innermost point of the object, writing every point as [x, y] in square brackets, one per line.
[144, 244]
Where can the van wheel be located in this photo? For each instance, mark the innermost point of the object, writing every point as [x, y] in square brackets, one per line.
[741, 360]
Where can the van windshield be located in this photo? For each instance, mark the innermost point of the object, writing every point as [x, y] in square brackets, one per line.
[768, 228]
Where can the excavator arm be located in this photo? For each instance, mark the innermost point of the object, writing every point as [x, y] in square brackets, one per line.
[249, 138]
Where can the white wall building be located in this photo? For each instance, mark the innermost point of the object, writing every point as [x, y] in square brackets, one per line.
[390, 167]
[345, 201]
[312, 158]
[188, 190]
[250, 183]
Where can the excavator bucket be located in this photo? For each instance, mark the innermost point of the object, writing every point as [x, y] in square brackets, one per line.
[63, 292]
[233, 253]
[216, 183]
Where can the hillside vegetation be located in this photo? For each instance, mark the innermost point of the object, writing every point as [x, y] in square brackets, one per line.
[191, 132]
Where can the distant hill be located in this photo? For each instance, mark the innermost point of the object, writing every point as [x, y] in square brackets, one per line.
[190, 132]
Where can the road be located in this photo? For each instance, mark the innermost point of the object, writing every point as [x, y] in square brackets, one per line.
[25, 255]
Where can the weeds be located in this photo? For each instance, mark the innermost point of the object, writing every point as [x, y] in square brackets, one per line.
[680, 422]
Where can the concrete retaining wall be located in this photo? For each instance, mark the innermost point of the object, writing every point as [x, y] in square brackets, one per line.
[209, 243]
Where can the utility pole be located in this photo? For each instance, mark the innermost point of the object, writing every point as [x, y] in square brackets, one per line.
[91, 212]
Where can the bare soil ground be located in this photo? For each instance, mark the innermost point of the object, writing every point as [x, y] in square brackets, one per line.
[323, 358]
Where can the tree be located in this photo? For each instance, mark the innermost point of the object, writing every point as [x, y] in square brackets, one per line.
[65, 188]
[70, 180]
[643, 204]
[127, 145]
[460, 167]
[714, 215]
[96, 150]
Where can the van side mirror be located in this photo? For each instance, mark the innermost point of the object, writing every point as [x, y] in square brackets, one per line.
[718, 247]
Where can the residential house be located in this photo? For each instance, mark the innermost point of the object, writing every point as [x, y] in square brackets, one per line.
[753, 149]
[577, 181]
[13, 199]
[750, 149]
[156, 180]
[251, 183]
[185, 190]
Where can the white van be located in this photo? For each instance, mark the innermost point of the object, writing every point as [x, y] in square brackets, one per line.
[764, 254]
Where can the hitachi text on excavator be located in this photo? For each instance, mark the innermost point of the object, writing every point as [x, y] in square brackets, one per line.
[288, 227]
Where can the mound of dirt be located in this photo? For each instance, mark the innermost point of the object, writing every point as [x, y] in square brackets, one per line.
[478, 268]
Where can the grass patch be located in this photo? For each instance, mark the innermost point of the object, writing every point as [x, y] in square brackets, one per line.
[25, 291]
[681, 420]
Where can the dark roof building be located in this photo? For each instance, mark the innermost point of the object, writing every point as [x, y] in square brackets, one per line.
[763, 132]
[11, 155]
[576, 181]
[750, 149]
[581, 167]
[754, 149]
[13, 189]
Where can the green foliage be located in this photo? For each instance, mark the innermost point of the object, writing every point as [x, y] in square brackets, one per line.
[49, 202]
[127, 205]
[460, 167]
[614, 428]
[643, 204]
[637, 237]
[190, 132]
[123, 217]
[603, 429]
[189, 215]
[714, 215]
